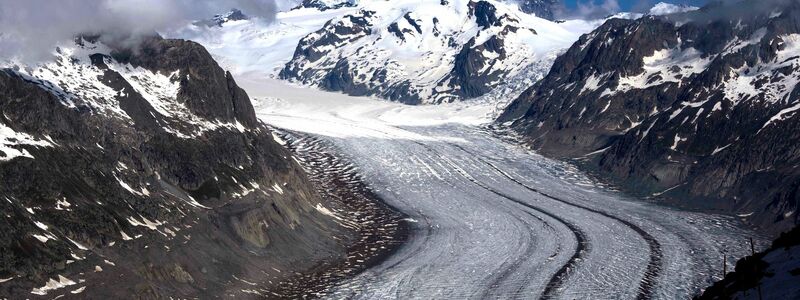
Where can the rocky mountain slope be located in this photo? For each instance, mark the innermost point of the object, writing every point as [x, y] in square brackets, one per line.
[770, 274]
[118, 165]
[698, 107]
[427, 52]
[324, 5]
[218, 20]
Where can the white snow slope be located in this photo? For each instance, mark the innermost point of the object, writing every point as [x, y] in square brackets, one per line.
[493, 220]
[255, 45]
[424, 57]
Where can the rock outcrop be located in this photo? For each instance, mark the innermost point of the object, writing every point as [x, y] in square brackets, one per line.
[770, 274]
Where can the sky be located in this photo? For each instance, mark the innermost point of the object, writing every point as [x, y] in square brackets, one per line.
[30, 29]
[629, 5]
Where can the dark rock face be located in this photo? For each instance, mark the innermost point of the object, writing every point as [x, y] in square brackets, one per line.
[329, 58]
[112, 188]
[770, 274]
[704, 109]
[485, 14]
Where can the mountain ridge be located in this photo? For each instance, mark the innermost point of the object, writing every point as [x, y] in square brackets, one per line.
[686, 110]
[467, 47]
[124, 162]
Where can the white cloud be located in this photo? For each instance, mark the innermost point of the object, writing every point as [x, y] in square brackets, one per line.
[30, 29]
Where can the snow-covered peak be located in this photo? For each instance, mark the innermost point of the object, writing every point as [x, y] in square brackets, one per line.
[663, 8]
[327, 4]
[412, 51]
[426, 52]
[218, 20]
[540, 8]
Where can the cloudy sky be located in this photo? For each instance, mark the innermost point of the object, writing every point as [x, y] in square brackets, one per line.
[29, 29]
[629, 5]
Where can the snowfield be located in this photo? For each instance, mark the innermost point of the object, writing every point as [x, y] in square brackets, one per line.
[492, 219]
[245, 46]
[413, 43]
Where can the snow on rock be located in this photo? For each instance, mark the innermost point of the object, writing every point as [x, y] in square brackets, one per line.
[413, 51]
[426, 52]
[53, 284]
[78, 290]
[12, 142]
[324, 5]
[680, 98]
[666, 65]
[277, 188]
[75, 79]
[145, 223]
[160, 90]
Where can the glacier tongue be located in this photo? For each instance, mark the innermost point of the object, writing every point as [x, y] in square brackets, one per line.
[493, 219]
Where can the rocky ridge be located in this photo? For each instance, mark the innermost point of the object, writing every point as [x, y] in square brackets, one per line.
[769, 274]
[117, 165]
[697, 108]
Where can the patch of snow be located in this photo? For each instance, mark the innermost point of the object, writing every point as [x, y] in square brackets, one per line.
[743, 81]
[277, 188]
[82, 247]
[41, 238]
[52, 284]
[423, 59]
[125, 236]
[783, 114]
[62, 204]
[677, 140]
[594, 82]
[40, 225]
[719, 149]
[144, 223]
[278, 139]
[78, 290]
[11, 142]
[671, 65]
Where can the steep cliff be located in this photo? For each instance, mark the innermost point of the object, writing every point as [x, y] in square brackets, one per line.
[144, 173]
[698, 107]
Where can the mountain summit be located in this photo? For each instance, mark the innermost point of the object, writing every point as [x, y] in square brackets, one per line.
[218, 20]
[426, 52]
